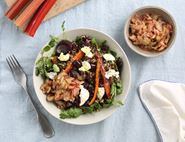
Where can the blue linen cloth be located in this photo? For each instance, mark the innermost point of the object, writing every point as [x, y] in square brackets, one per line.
[129, 123]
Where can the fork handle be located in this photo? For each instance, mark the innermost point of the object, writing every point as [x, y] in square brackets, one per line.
[43, 121]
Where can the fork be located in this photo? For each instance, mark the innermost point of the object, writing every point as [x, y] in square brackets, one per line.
[21, 78]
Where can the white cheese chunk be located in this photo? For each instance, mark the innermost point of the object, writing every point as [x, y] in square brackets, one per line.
[84, 95]
[87, 51]
[109, 57]
[111, 73]
[51, 75]
[101, 92]
[63, 57]
[85, 66]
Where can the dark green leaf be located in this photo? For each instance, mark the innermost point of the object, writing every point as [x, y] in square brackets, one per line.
[108, 103]
[103, 43]
[52, 43]
[63, 26]
[116, 88]
[46, 48]
[70, 113]
[36, 71]
[119, 87]
[54, 38]
[43, 66]
[113, 53]
[113, 89]
[96, 106]
[87, 109]
[94, 42]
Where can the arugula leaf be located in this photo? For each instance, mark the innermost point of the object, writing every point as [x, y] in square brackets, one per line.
[43, 66]
[36, 71]
[52, 43]
[94, 42]
[70, 113]
[113, 53]
[94, 107]
[63, 26]
[108, 103]
[78, 40]
[103, 43]
[113, 89]
[116, 88]
[46, 48]
[54, 38]
[87, 110]
[119, 87]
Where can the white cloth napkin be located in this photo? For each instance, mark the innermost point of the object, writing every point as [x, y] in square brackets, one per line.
[165, 103]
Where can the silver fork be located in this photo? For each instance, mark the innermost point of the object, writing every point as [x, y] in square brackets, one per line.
[21, 78]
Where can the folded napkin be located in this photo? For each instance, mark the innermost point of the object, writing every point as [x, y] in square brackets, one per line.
[165, 104]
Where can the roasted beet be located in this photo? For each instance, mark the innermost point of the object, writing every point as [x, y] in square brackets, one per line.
[86, 85]
[76, 101]
[74, 74]
[77, 64]
[93, 67]
[63, 46]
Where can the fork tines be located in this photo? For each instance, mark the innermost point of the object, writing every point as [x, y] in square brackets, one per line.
[13, 63]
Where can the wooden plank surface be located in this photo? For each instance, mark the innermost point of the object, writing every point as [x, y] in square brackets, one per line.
[59, 7]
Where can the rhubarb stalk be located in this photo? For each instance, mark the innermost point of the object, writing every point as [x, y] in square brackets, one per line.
[28, 12]
[16, 8]
[38, 17]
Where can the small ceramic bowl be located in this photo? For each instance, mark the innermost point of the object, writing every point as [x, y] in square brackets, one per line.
[153, 10]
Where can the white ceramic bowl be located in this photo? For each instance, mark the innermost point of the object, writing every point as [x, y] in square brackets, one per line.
[154, 10]
[104, 113]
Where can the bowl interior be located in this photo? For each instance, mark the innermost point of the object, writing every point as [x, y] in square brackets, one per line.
[104, 113]
[153, 10]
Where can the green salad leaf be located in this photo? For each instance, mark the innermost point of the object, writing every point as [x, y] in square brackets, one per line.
[87, 109]
[46, 48]
[94, 42]
[116, 88]
[52, 43]
[119, 88]
[70, 113]
[56, 68]
[108, 103]
[63, 26]
[113, 53]
[43, 66]
[94, 107]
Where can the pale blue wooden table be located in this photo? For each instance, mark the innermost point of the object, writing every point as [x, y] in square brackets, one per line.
[130, 123]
